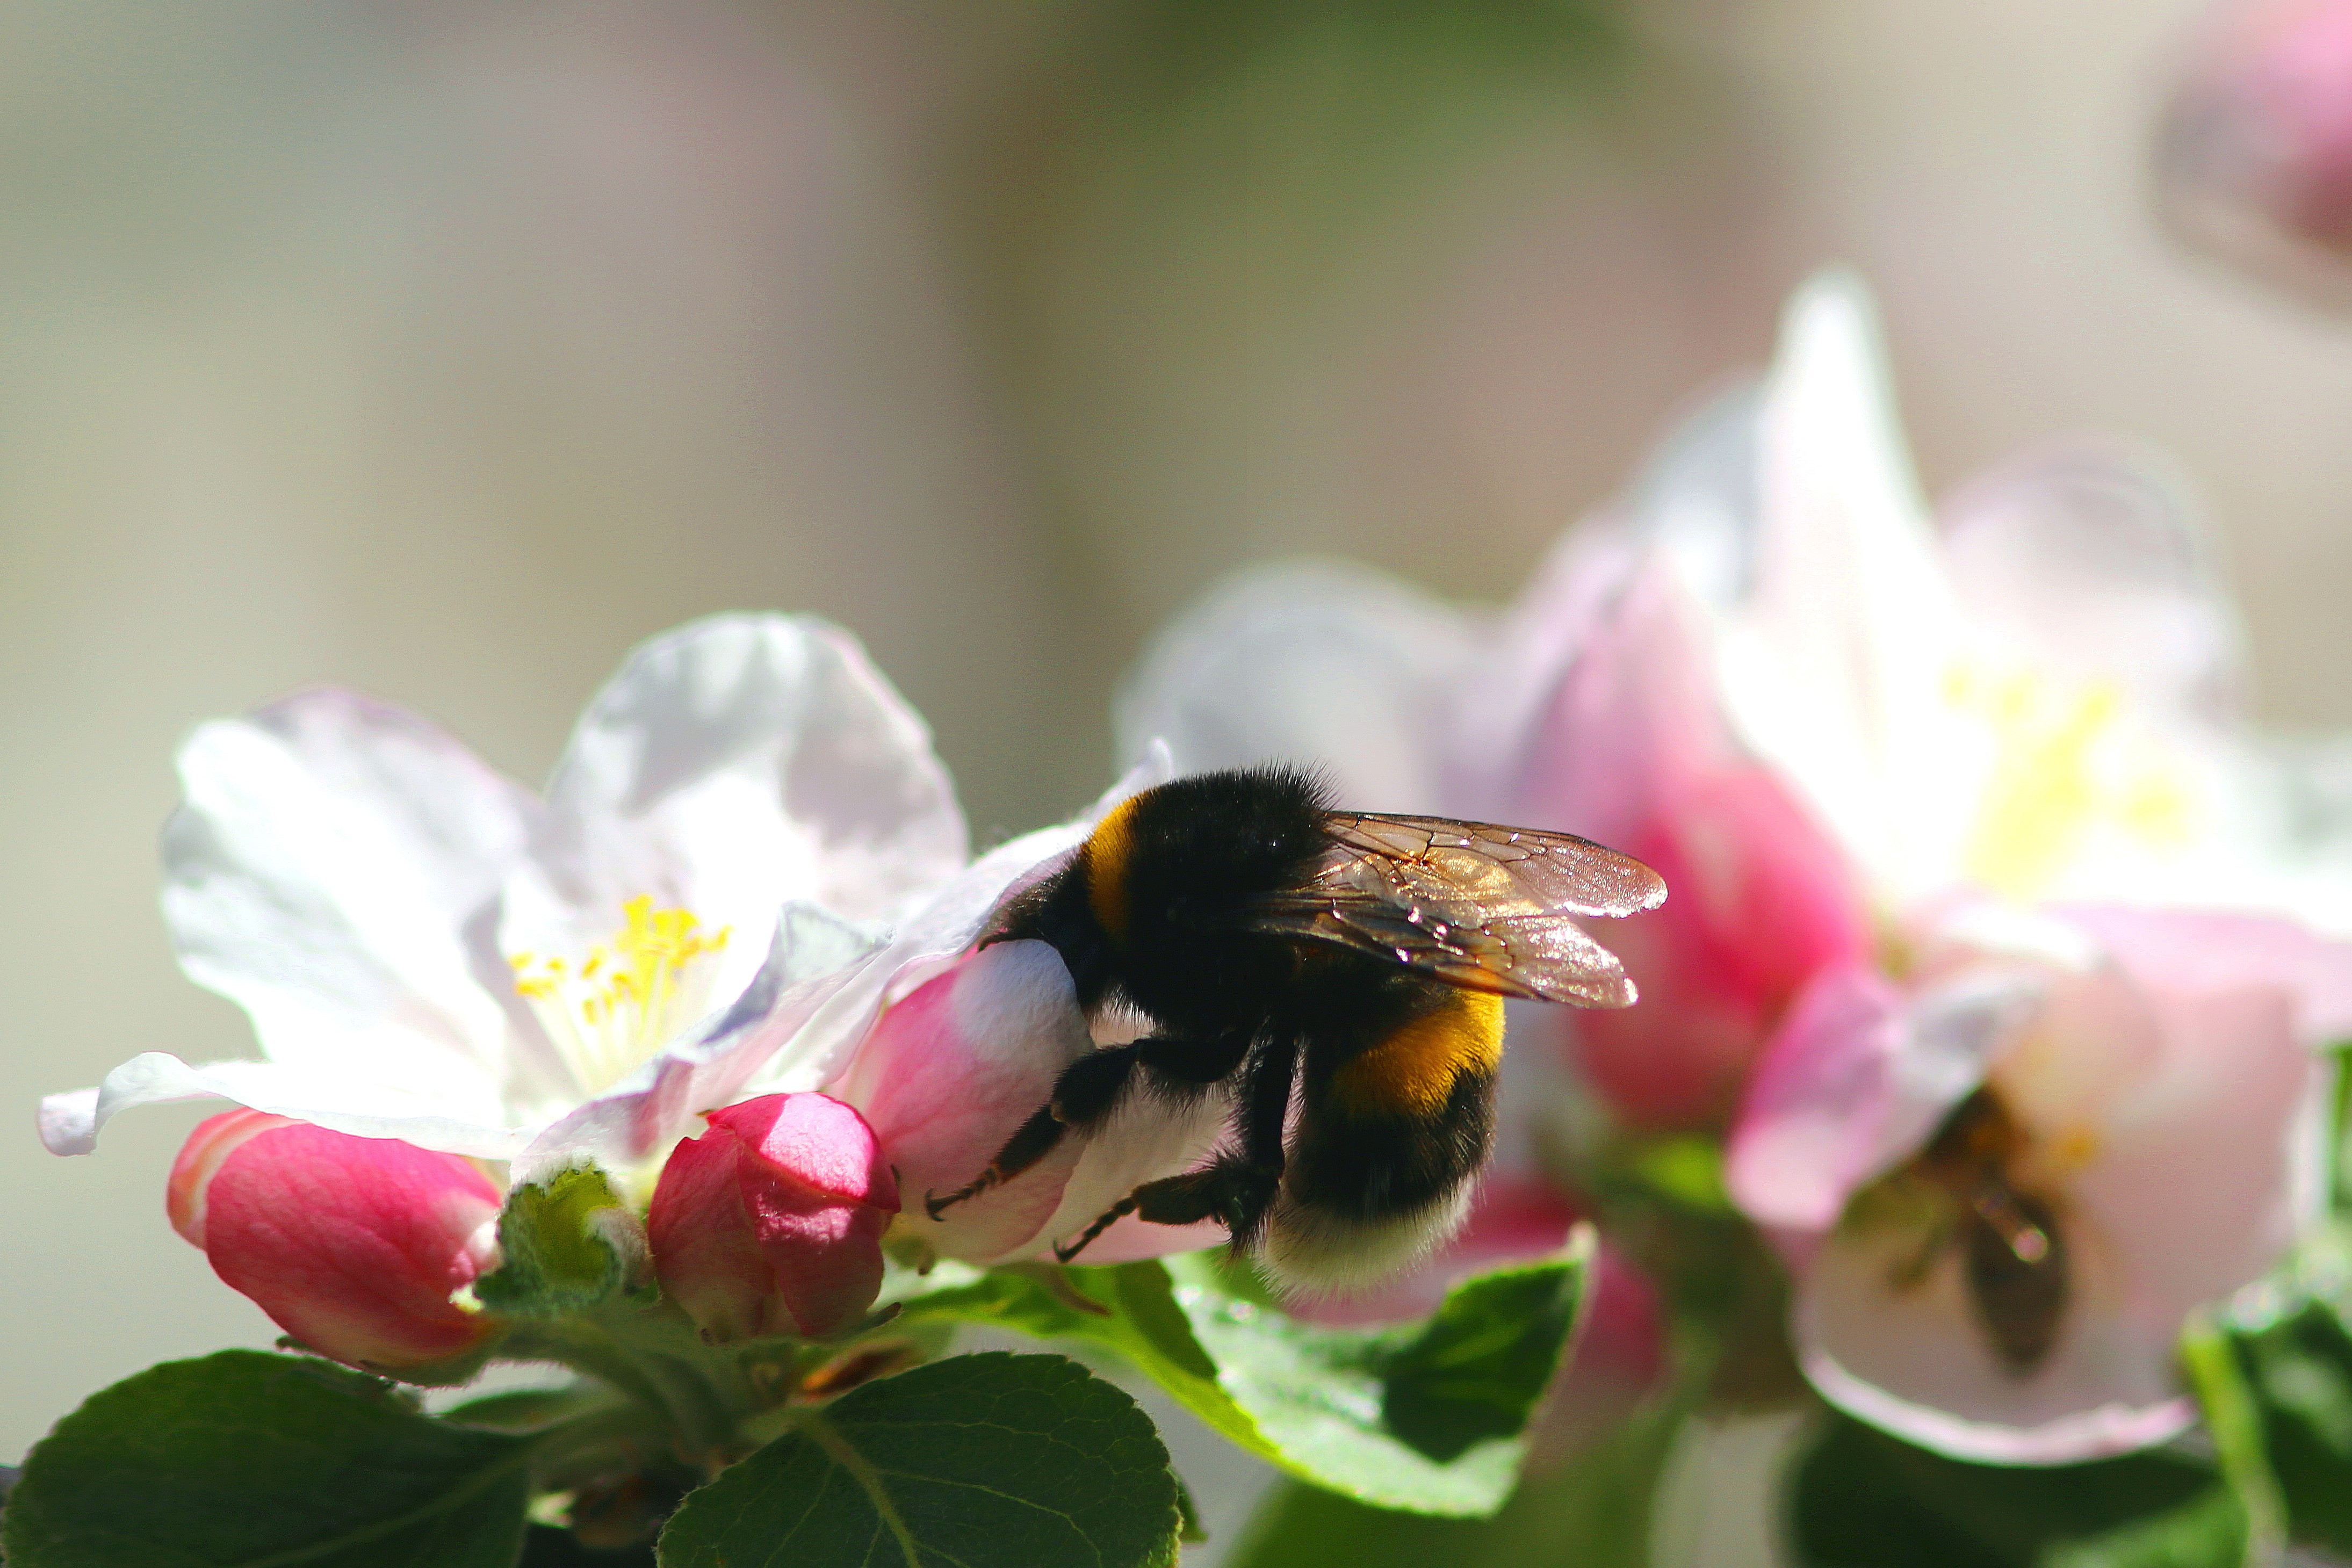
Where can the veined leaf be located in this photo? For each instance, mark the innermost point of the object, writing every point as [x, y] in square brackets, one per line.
[978, 1462]
[247, 1459]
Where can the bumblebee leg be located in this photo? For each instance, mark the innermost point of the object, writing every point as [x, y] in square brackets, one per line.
[1088, 1091]
[1193, 1062]
[1030, 1142]
[1235, 1189]
[1232, 1191]
[1265, 1112]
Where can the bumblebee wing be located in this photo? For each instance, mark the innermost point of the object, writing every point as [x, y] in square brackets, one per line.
[1472, 904]
[1505, 869]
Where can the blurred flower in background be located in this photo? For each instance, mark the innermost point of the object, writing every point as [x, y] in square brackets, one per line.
[2255, 160]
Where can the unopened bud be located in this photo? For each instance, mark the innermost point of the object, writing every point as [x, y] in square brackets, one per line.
[770, 1223]
[354, 1246]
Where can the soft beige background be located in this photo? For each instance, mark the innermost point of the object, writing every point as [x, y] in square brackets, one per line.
[447, 350]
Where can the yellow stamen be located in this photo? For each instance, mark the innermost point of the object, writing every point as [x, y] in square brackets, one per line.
[628, 998]
[2062, 763]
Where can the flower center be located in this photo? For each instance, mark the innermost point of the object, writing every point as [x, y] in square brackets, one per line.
[612, 1009]
[2063, 764]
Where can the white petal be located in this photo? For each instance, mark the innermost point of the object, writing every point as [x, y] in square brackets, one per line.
[70, 1122]
[731, 765]
[332, 870]
[1835, 662]
[813, 954]
[1916, 1362]
[2090, 560]
[810, 1050]
[1331, 666]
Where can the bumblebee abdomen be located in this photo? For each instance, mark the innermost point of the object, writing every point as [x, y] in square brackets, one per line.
[1412, 1072]
[1389, 1137]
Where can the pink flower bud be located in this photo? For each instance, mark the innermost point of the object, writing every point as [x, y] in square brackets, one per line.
[2256, 157]
[770, 1223]
[353, 1246]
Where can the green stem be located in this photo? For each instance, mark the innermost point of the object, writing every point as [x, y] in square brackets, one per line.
[664, 1383]
[2235, 1421]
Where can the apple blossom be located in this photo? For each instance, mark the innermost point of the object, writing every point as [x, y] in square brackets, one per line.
[771, 1222]
[2037, 699]
[357, 1247]
[429, 953]
[2164, 1122]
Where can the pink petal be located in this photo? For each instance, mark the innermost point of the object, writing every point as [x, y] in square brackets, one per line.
[704, 1252]
[2181, 952]
[825, 1255]
[1632, 749]
[771, 1221]
[200, 1158]
[1761, 901]
[816, 1142]
[948, 1073]
[352, 1245]
[1810, 1126]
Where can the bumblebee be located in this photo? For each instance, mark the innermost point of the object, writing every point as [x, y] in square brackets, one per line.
[2015, 1260]
[1340, 975]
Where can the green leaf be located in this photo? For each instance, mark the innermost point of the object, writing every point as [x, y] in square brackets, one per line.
[1424, 1418]
[246, 1460]
[1476, 1370]
[2294, 1351]
[1024, 1461]
[2209, 1530]
[544, 1546]
[2234, 1421]
[1862, 1499]
[568, 1245]
[1598, 1503]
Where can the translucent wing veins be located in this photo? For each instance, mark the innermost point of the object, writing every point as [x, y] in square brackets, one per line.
[1472, 903]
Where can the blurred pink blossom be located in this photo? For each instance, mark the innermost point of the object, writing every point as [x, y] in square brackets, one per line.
[1630, 748]
[2254, 155]
[357, 1247]
[2168, 1117]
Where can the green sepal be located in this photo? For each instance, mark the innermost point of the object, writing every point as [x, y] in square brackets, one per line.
[568, 1245]
[1424, 1417]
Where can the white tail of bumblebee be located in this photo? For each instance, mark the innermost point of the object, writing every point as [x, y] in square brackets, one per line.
[1310, 1251]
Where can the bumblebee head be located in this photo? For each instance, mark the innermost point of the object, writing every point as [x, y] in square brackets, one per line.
[1179, 864]
[1059, 911]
